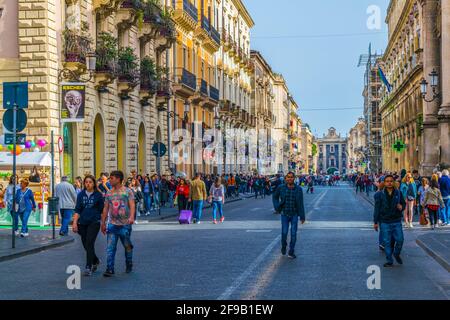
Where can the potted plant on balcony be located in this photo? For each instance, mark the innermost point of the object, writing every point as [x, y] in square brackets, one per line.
[106, 53]
[77, 44]
[149, 81]
[167, 25]
[128, 67]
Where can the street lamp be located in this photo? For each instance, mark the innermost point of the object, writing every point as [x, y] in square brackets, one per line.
[434, 84]
[186, 110]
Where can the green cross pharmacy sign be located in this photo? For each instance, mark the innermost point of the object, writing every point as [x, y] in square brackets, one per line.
[399, 146]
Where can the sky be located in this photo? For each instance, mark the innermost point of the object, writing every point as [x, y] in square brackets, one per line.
[316, 46]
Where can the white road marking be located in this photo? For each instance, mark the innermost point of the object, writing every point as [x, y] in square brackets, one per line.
[262, 231]
[250, 270]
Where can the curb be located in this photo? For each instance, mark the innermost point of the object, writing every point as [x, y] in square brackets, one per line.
[434, 255]
[26, 252]
[160, 218]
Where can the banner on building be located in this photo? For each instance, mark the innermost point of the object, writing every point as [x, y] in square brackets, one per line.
[73, 102]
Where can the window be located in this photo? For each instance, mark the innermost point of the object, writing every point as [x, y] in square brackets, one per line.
[331, 162]
[332, 149]
[184, 57]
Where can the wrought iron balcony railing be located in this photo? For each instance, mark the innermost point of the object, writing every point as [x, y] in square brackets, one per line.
[187, 79]
[76, 47]
[215, 35]
[204, 87]
[206, 25]
[214, 93]
[191, 9]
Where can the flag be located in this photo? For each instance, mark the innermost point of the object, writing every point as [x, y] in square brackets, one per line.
[384, 79]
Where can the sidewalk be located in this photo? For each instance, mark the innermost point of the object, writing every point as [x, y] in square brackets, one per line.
[167, 213]
[437, 245]
[37, 241]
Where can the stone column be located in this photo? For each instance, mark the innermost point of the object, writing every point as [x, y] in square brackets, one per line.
[430, 110]
[444, 112]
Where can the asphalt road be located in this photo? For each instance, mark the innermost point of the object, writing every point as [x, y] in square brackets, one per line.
[240, 259]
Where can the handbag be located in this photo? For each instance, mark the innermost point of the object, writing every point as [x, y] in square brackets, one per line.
[423, 219]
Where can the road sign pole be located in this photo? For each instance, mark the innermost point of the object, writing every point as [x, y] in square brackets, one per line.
[13, 210]
[53, 183]
[158, 161]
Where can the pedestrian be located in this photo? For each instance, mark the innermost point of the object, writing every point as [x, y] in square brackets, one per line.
[310, 185]
[117, 218]
[197, 194]
[24, 205]
[231, 186]
[433, 201]
[156, 191]
[208, 183]
[164, 190]
[409, 192]
[288, 200]
[172, 190]
[8, 197]
[422, 192]
[444, 185]
[86, 221]
[217, 197]
[182, 195]
[103, 184]
[389, 205]
[67, 199]
[136, 187]
[147, 190]
[78, 185]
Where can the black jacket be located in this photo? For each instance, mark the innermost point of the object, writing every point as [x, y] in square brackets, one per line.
[386, 212]
[89, 208]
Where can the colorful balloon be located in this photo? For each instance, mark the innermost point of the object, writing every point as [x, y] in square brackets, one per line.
[28, 144]
[18, 150]
[42, 143]
[1, 147]
[36, 149]
[33, 144]
[10, 147]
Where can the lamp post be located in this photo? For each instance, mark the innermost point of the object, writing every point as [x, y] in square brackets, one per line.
[434, 77]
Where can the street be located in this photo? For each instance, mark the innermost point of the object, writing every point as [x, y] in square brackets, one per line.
[240, 259]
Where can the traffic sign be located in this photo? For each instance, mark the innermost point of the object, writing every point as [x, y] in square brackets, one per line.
[159, 149]
[21, 138]
[60, 145]
[15, 93]
[399, 146]
[21, 120]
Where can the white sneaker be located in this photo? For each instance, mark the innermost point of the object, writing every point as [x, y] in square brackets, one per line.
[411, 225]
[17, 233]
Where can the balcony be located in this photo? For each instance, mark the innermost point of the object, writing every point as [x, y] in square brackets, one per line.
[128, 78]
[76, 48]
[204, 88]
[186, 15]
[106, 66]
[214, 93]
[185, 83]
[226, 108]
[106, 7]
[163, 93]
[126, 15]
[215, 35]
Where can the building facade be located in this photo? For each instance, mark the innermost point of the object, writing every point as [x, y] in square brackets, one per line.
[306, 153]
[48, 42]
[357, 147]
[418, 46]
[332, 153]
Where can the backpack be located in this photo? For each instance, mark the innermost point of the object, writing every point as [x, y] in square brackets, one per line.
[410, 193]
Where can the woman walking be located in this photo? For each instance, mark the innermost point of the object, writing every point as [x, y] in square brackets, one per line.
[409, 191]
[217, 196]
[147, 190]
[182, 195]
[433, 202]
[422, 192]
[86, 221]
[25, 203]
[78, 185]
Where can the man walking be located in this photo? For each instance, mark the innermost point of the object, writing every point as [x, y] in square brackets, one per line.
[67, 195]
[288, 200]
[197, 194]
[120, 211]
[388, 214]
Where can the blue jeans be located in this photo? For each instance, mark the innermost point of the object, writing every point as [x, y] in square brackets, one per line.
[147, 202]
[66, 217]
[114, 233]
[24, 216]
[217, 206]
[198, 209]
[171, 198]
[446, 211]
[392, 231]
[285, 221]
[156, 200]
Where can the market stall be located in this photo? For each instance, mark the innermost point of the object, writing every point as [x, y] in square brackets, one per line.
[25, 163]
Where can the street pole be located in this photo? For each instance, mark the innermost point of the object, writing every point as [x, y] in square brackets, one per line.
[137, 158]
[158, 168]
[13, 210]
[53, 183]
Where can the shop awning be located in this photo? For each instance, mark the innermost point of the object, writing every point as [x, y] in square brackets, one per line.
[26, 159]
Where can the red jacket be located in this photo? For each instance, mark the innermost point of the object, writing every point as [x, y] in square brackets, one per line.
[183, 190]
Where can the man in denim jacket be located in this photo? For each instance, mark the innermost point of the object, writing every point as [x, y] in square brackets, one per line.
[288, 200]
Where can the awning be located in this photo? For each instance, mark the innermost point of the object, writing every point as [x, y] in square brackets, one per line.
[26, 159]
